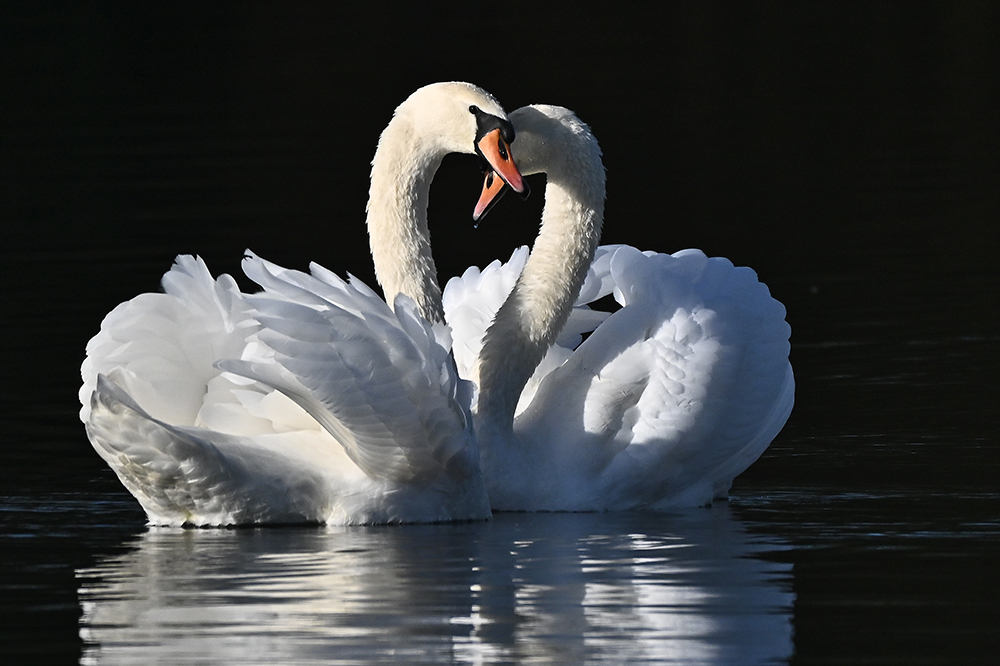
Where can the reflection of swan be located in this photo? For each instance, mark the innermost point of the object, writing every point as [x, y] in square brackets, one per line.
[371, 423]
[548, 588]
[668, 399]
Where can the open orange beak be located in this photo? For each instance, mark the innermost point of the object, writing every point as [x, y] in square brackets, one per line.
[493, 189]
[497, 153]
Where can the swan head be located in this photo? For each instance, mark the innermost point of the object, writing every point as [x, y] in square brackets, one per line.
[457, 117]
[554, 141]
[435, 120]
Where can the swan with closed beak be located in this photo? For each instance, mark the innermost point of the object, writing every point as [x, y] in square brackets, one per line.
[313, 400]
[664, 402]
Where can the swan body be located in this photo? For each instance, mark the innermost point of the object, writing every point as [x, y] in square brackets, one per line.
[313, 400]
[667, 399]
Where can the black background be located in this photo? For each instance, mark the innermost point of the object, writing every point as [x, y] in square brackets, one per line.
[845, 151]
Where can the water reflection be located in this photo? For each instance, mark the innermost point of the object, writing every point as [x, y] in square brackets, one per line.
[553, 588]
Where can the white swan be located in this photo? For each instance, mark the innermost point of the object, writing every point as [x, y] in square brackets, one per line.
[663, 404]
[312, 401]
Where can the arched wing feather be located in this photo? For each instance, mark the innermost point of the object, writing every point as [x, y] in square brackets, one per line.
[382, 383]
[690, 377]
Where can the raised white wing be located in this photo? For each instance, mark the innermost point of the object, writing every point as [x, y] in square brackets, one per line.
[678, 391]
[381, 382]
[165, 345]
[385, 435]
[472, 300]
[666, 401]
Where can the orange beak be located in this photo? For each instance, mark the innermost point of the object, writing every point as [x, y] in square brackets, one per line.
[493, 189]
[496, 151]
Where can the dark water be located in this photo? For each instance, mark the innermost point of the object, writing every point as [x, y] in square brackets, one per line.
[848, 153]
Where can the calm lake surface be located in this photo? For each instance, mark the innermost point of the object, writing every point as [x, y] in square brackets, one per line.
[847, 153]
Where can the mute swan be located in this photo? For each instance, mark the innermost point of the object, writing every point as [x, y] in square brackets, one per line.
[665, 402]
[312, 401]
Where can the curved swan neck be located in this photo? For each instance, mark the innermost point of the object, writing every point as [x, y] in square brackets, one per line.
[402, 170]
[543, 297]
[435, 120]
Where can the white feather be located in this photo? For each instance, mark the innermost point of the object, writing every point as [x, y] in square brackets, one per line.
[665, 402]
[313, 400]
[315, 403]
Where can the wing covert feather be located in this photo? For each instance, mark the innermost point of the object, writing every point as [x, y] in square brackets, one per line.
[358, 368]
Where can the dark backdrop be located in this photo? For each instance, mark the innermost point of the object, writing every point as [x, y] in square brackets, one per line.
[846, 151]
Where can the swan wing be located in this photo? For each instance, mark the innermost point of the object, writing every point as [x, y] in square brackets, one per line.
[471, 302]
[164, 347]
[674, 394]
[381, 382]
[171, 339]
[187, 475]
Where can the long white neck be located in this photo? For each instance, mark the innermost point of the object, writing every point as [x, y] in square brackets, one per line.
[402, 170]
[540, 303]
[435, 120]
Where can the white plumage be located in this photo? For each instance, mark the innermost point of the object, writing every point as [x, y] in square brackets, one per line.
[316, 401]
[665, 402]
[313, 400]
